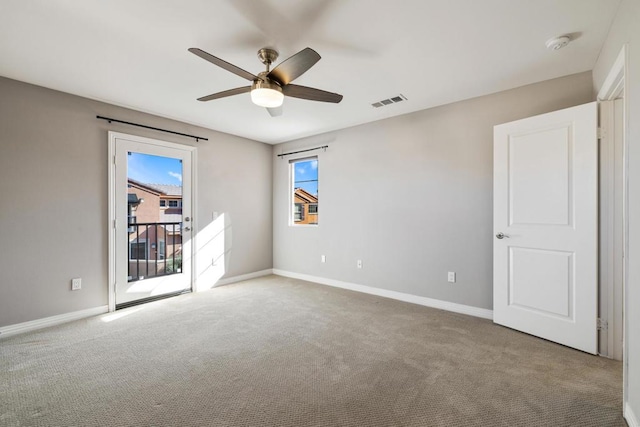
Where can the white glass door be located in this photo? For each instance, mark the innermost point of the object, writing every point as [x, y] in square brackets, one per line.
[153, 222]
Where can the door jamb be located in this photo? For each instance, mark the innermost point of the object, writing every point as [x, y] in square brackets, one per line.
[614, 87]
[111, 224]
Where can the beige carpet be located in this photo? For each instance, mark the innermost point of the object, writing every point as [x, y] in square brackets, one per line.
[282, 352]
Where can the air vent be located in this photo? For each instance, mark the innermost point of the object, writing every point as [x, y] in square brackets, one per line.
[389, 101]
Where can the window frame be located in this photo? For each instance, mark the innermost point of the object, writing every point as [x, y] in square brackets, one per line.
[296, 212]
[291, 198]
[139, 242]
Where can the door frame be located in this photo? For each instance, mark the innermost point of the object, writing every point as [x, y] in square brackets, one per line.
[614, 87]
[111, 224]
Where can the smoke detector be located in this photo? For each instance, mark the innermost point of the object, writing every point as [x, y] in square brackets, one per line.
[558, 43]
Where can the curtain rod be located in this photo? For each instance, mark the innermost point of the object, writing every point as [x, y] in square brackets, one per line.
[324, 147]
[197, 138]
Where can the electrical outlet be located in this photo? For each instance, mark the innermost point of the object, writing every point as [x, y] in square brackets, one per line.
[323, 258]
[359, 263]
[76, 284]
[451, 277]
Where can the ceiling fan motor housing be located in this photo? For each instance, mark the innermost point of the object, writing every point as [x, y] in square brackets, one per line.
[264, 82]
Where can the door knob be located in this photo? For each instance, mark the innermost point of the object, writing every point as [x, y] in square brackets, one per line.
[501, 236]
[187, 229]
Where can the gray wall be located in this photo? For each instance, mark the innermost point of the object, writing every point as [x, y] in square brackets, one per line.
[411, 196]
[53, 198]
[625, 29]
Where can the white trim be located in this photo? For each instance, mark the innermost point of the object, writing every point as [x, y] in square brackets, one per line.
[614, 83]
[243, 277]
[630, 417]
[33, 325]
[414, 299]
[614, 87]
[194, 222]
[111, 224]
[113, 136]
[607, 221]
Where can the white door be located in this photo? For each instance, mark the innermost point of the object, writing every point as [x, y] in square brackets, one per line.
[151, 206]
[545, 224]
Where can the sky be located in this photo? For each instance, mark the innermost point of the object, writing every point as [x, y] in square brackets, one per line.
[150, 169]
[306, 171]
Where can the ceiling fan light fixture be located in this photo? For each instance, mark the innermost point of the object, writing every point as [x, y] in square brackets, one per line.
[269, 87]
[266, 94]
[268, 98]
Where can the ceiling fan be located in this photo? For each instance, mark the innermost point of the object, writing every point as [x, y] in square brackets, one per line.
[269, 87]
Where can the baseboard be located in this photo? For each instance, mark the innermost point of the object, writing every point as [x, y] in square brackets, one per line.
[631, 418]
[242, 277]
[32, 325]
[428, 302]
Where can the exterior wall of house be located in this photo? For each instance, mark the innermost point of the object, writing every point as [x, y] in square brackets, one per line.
[626, 30]
[424, 205]
[53, 177]
[148, 210]
[307, 218]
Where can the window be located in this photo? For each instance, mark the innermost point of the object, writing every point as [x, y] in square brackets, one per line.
[304, 191]
[138, 249]
[163, 203]
[161, 249]
[173, 203]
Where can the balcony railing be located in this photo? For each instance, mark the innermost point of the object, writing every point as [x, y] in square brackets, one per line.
[154, 249]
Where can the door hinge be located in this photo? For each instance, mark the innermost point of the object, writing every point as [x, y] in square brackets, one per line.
[114, 160]
[603, 325]
[601, 133]
[115, 223]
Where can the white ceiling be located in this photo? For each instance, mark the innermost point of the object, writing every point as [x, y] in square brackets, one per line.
[134, 53]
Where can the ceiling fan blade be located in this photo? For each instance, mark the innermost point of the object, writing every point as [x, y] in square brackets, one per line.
[294, 66]
[310, 93]
[226, 93]
[275, 112]
[223, 64]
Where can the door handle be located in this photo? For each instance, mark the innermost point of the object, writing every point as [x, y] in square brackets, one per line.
[501, 236]
[187, 229]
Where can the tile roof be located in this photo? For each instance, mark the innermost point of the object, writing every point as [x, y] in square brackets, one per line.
[168, 189]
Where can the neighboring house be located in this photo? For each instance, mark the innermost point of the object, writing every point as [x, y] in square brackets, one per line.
[144, 207]
[170, 202]
[305, 207]
[155, 223]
